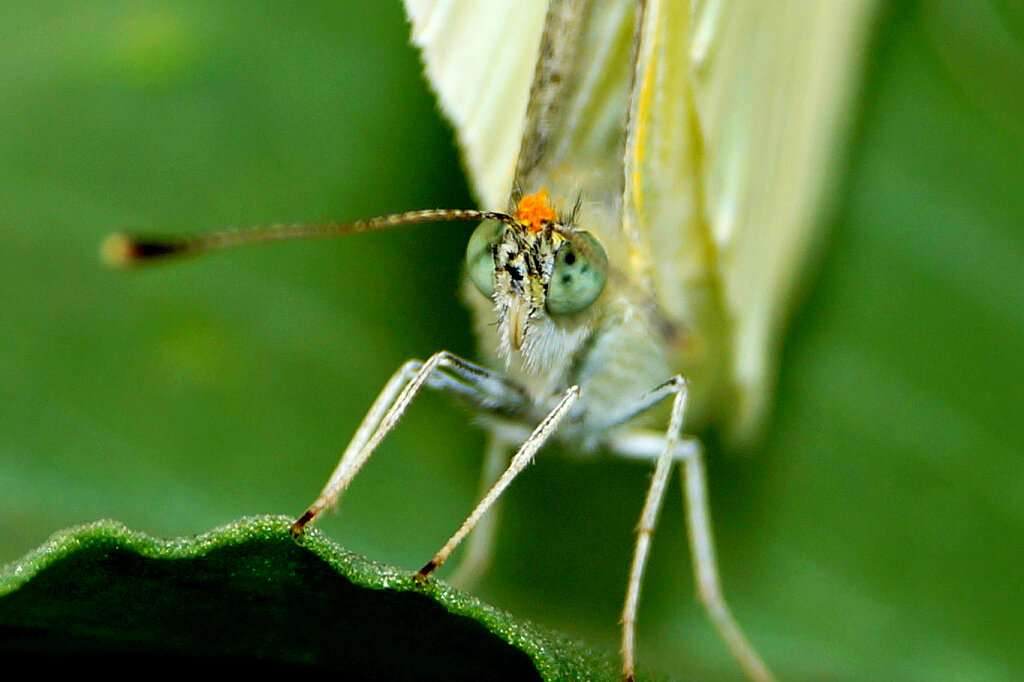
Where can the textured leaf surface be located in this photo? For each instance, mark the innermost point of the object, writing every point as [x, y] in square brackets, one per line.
[247, 592]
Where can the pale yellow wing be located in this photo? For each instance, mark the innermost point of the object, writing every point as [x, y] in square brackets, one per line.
[479, 58]
[536, 91]
[572, 141]
[737, 123]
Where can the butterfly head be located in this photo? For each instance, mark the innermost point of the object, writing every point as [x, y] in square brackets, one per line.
[539, 270]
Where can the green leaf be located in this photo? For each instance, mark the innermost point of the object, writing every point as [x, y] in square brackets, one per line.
[249, 593]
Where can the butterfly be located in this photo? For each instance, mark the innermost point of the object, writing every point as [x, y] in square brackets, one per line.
[661, 168]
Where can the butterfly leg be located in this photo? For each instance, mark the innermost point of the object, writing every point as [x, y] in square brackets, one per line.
[649, 516]
[476, 557]
[523, 456]
[443, 371]
[698, 525]
[705, 567]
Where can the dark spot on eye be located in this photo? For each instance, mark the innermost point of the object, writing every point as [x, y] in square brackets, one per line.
[570, 258]
[566, 279]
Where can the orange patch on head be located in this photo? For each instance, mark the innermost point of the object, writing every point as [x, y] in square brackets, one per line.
[534, 211]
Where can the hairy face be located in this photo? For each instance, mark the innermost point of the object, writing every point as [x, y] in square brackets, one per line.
[540, 272]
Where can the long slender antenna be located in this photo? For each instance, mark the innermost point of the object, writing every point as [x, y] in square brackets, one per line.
[125, 250]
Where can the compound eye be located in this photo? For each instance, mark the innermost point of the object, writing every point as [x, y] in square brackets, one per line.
[479, 255]
[578, 277]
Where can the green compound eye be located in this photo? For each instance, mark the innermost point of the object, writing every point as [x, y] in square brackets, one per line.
[479, 261]
[577, 278]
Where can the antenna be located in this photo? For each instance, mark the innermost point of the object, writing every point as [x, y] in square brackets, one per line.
[127, 250]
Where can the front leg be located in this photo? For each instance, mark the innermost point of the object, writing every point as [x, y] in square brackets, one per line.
[443, 371]
[524, 456]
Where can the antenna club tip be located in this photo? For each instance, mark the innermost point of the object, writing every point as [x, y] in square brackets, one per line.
[119, 251]
[125, 251]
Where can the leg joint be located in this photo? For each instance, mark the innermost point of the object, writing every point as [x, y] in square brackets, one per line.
[410, 367]
[673, 385]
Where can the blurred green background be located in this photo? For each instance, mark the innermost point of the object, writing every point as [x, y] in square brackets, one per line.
[878, 531]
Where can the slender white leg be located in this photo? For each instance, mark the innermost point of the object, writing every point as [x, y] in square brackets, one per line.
[705, 567]
[644, 530]
[667, 448]
[479, 549]
[523, 457]
[465, 379]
